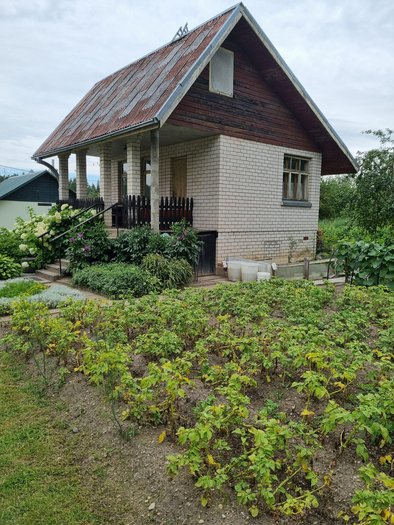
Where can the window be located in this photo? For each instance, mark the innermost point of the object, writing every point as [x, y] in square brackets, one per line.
[221, 72]
[295, 178]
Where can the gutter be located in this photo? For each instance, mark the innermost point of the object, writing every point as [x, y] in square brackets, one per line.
[149, 124]
[51, 168]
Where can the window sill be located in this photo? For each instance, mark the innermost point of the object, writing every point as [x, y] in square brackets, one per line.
[296, 204]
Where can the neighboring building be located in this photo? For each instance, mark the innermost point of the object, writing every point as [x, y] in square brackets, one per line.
[237, 133]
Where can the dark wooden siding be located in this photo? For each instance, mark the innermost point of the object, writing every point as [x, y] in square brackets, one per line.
[43, 189]
[255, 112]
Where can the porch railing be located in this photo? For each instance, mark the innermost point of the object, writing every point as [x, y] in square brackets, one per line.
[134, 210]
[94, 202]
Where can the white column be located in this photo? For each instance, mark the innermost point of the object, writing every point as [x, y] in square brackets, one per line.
[155, 187]
[133, 166]
[63, 176]
[82, 182]
[105, 180]
[115, 180]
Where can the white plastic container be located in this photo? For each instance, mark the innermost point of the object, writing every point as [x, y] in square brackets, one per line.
[265, 267]
[234, 270]
[263, 276]
[249, 271]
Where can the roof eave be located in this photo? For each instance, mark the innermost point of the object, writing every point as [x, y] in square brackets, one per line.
[143, 126]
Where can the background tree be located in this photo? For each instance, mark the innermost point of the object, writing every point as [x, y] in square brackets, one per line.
[336, 196]
[93, 190]
[374, 184]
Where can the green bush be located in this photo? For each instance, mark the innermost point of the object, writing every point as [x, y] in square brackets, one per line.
[172, 273]
[117, 280]
[9, 244]
[184, 243]
[18, 287]
[133, 245]
[88, 245]
[367, 264]
[9, 268]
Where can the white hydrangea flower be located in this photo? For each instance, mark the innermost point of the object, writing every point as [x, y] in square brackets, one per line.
[23, 247]
[25, 264]
[64, 207]
[23, 236]
[32, 251]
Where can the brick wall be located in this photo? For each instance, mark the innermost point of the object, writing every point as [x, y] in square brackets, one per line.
[236, 185]
[253, 222]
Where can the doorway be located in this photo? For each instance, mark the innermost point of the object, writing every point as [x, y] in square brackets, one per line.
[179, 177]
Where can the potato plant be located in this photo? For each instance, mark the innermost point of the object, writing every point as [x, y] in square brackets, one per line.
[251, 381]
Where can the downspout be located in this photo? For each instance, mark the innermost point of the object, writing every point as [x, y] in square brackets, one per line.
[51, 168]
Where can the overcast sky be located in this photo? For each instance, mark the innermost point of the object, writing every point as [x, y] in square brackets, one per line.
[53, 51]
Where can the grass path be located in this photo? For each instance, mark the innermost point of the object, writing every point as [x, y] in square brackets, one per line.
[40, 484]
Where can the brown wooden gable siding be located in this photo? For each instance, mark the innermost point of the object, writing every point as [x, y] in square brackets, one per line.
[255, 112]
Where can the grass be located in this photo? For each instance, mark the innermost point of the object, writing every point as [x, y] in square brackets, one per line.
[21, 287]
[38, 484]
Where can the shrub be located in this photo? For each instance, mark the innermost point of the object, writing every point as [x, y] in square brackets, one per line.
[117, 280]
[8, 267]
[132, 246]
[184, 243]
[9, 244]
[88, 245]
[172, 273]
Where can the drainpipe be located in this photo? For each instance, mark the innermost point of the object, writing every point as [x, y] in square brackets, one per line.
[51, 168]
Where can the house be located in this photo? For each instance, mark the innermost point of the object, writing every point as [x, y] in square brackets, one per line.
[217, 116]
[38, 190]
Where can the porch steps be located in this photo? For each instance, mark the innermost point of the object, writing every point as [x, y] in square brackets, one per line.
[51, 272]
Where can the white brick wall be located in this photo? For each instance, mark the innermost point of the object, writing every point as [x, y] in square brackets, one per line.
[237, 190]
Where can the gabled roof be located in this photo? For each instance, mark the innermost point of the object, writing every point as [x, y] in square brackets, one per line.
[145, 93]
[12, 184]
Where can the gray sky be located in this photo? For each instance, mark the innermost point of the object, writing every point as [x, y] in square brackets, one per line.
[53, 51]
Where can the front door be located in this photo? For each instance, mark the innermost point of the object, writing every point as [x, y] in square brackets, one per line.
[179, 177]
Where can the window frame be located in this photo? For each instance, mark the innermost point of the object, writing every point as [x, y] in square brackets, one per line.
[295, 192]
[217, 91]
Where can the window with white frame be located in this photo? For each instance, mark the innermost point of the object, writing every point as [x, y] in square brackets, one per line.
[221, 72]
[295, 178]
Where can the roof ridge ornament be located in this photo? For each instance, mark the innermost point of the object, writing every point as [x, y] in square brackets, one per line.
[182, 31]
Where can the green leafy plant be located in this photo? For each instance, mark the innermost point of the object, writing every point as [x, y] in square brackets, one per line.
[172, 273]
[88, 245]
[17, 287]
[9, 268]
[117, 280]
[184, 242]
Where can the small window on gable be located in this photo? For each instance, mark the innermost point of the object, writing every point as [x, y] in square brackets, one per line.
[221, 72]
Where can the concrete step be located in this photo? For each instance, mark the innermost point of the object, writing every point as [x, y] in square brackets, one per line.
[47, 275]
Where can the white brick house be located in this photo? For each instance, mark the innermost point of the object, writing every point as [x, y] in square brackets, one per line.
[217, 116]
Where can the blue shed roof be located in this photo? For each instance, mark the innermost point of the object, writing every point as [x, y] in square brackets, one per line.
[12, 184]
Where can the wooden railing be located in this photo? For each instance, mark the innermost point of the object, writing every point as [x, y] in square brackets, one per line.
[134, 211]
[96, 202]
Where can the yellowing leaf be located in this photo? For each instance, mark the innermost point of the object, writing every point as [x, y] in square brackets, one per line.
[385, 459]
[340, 385]
[254, 511]
[306, 413]
[268, 378]
[162, 437]
[211, 461]
[204, 501]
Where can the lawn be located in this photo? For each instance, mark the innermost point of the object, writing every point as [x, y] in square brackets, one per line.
[277, 395]
[39, 484]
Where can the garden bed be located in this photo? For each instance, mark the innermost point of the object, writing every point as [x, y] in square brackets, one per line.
[273, 394]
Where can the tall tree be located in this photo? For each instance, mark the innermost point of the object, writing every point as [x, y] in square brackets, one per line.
[374, 184]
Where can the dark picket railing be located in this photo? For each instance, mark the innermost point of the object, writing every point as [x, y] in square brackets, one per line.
[134, 210]
[94, 202]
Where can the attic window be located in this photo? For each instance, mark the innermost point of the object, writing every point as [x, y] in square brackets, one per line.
[221, 72]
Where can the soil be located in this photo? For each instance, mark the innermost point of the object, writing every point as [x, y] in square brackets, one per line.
[129, 476]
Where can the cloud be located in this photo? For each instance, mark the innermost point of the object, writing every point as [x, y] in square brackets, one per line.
[54, 51]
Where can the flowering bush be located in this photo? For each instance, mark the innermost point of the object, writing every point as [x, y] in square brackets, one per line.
[88, 246]
[29, 232]
[184, 243]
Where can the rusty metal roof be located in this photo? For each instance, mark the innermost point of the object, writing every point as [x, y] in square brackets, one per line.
[146, 92]
[135, 94]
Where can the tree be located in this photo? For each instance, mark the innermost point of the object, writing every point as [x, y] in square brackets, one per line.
[93, 190]
[336, 196]
[374, 184]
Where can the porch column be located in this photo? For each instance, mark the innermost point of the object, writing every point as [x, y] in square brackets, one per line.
[63, 176]
[155, 186]
[82, 183]
[133, 166]
[105, 180]
[115, 180]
